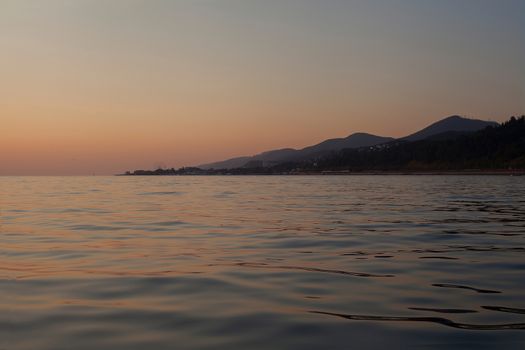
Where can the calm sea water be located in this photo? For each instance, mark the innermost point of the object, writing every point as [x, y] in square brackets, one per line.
[334, 262]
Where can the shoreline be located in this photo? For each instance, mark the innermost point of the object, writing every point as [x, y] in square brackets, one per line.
[357, 173]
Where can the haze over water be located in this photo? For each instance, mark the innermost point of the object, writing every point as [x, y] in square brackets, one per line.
[262, 262]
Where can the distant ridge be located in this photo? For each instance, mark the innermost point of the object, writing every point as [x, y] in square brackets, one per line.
[231, 163]
[453, 123]
[273, 157]
[447, 127]
[359, 139]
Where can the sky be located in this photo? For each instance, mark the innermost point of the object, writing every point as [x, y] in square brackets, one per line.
[101, 87]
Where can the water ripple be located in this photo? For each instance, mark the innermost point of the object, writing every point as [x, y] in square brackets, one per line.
[311, 269]
[448, 285]
[505, 309]
[233, 262]
[438, 320]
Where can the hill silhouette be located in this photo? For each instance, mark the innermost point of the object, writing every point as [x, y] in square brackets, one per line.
[496, 147]
[274, 157]
[447, 127]
[453, 123]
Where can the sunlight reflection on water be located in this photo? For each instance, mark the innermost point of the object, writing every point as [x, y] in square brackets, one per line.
[262, 262]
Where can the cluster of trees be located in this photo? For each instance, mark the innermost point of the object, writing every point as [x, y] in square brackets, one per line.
[171, 171]
[198, 171]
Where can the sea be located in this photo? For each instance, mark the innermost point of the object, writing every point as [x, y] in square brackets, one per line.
[262, 262]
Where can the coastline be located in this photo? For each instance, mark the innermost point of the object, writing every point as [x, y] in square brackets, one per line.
[502, 172]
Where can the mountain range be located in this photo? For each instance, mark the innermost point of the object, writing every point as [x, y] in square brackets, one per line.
[445, 128]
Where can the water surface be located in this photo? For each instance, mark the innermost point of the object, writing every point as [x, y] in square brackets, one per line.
[257, 262]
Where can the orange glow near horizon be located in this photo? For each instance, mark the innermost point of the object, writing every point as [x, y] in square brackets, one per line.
[95, 88]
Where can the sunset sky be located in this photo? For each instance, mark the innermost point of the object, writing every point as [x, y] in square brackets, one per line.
[100, 87]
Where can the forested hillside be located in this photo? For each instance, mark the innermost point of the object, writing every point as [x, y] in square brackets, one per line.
[498, 147]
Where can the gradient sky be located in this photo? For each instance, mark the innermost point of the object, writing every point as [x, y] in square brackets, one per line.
[100, 87]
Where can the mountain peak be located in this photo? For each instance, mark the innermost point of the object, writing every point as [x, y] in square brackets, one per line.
[359, 134]
[452, 123]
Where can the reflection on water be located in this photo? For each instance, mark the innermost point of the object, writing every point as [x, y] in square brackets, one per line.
[262, 262]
